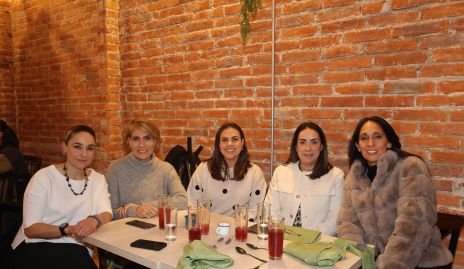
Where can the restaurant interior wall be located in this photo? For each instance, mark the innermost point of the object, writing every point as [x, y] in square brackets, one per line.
[7, 97]
[183, 65]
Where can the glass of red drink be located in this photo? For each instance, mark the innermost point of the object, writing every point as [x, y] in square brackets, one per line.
[194, 224]
[205, 206]
[241, 222]
[163, 202]
[276, 237]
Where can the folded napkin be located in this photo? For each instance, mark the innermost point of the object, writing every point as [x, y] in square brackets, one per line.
[327, 254]
[361, 250]
[318, 253]
[298, 234]
[198, 255]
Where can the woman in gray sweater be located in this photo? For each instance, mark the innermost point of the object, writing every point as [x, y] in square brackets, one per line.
[137, 180]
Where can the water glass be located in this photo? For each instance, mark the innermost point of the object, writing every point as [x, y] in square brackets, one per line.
[263, 213]
[170, 223]
[205, 206]
[194, 227]
[163, 202]
[241, 222]
[276, 237]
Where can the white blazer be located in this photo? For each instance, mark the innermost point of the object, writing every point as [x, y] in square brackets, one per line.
[319, 198]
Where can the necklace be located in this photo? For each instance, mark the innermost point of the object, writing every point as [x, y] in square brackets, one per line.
[69, 184]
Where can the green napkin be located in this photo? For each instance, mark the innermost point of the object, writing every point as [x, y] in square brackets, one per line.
[319, 253]
[359, 249]
[298, 234]
[198, 255]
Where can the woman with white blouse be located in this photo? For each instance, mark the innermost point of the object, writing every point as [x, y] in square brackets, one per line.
[307, 189]
[228, 177]
[63, 203]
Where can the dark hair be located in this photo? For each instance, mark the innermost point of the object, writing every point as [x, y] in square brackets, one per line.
[392, 137]
[77, 129]
[322, 165]
[9, 136]
[217, 165]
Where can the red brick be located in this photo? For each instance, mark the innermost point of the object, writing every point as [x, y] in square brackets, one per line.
[447, 157]
[355, 62]
[338, 77]
[408, 87]
[391, 46]
[316, 113]
[421, 29]
[433, 100]
[444, 129]
[401, 59]
[390, 73]
[394, 18]
[420, 114]
[308, 67]
[372, 7]
[342, 101]
[365, 88]
[325, 41]
[299, 32]
[339, 51]
[431, 141]
[439, 70]
[400, 4]
[389, 101]
[339, 13]
[448, 55]
[298, 56]
[367, 35]
[342, 26]
[298, 7]
[312, 90]
[449, 10]
[299, 102]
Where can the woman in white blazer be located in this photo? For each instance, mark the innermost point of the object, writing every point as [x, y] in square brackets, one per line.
[307, 189]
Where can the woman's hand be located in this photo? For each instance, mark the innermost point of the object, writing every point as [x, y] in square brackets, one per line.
[84, 227]
[146, 210]
[122, 211]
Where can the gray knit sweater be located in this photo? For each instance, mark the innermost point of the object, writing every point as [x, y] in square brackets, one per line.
[133, 181]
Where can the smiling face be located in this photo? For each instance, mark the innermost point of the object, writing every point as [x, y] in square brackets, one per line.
[372, 143]
[79, 150]
[231, 145]
[308, 147]
[142, 144]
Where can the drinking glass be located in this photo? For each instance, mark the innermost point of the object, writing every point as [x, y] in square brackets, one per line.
[170, 223]
[241, 222]
[194, 227]
[163, 202]
[205, 206]
[263, 214]
[458, 189]
[276, 237]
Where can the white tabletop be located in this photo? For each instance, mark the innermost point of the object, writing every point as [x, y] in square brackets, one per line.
[116, 237]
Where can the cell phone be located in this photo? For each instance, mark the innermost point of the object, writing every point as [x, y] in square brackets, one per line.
[148, 244]
[141, 224]
[253, 229]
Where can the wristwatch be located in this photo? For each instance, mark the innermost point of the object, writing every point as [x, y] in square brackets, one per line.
[62, 227]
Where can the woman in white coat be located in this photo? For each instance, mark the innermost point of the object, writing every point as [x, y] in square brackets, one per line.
[307, 189]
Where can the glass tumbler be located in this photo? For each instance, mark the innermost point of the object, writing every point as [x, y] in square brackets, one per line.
[170, 223]
[276, 237]
[241, 222]
[263, 213]
[194, 227]
[205, 206]
[163, 202]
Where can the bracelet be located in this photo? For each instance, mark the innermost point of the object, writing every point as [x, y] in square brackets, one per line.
[97, 217]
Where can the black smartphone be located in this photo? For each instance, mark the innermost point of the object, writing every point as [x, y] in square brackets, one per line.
[148, 244]
[141, 224]
[253, 229]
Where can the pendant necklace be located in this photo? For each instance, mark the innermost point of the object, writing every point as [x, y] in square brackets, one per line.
[69, 184]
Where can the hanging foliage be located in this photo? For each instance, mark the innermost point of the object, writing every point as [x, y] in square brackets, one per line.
[249, 8]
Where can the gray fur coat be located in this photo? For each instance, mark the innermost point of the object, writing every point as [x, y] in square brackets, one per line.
[396, 213]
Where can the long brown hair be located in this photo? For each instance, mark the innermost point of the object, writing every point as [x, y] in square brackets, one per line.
[217, 165]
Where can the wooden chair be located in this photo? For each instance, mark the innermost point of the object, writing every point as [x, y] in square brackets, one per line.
[450, 224]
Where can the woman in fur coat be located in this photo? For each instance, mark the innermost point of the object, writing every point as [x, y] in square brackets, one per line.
[389, 200]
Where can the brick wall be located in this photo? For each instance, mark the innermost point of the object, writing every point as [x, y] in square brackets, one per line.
[183, 65]
[7, 98]
[66, 70]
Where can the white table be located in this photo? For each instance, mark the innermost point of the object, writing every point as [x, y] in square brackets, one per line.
[116, 237]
